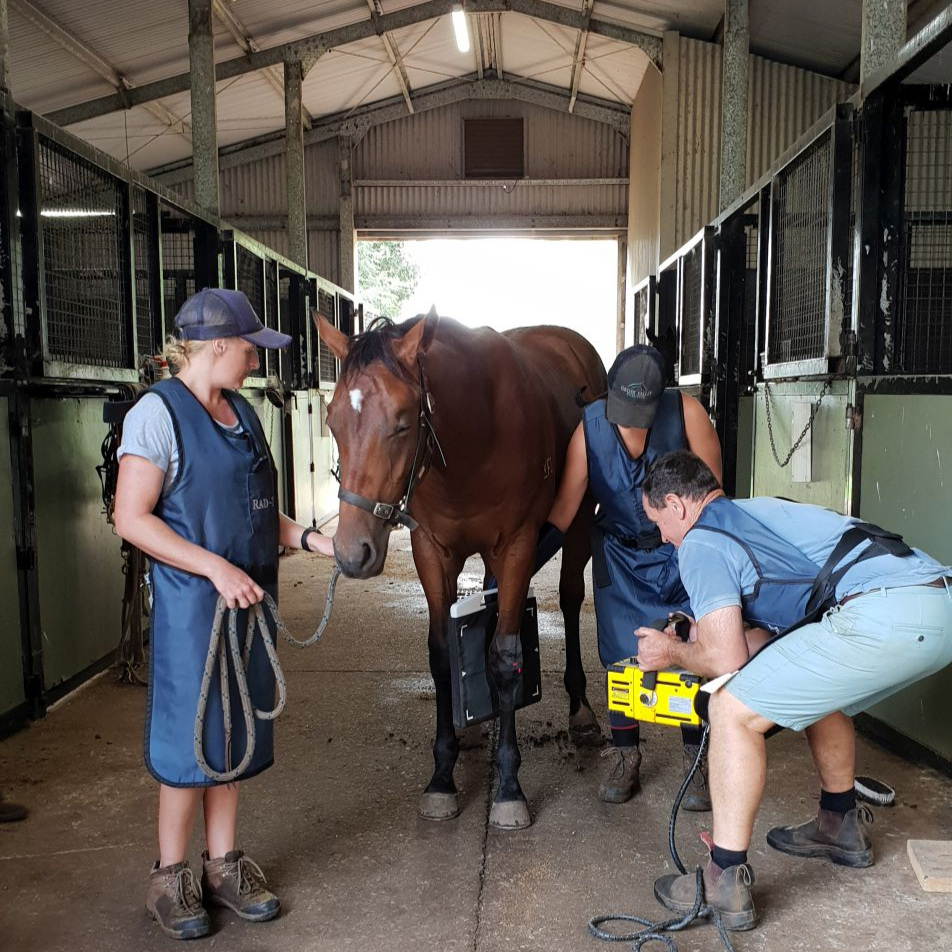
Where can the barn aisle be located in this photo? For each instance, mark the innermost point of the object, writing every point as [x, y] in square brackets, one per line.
[334, 823]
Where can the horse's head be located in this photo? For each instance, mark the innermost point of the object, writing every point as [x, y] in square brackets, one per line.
[376, 416]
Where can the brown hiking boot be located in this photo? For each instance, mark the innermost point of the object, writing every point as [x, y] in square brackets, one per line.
[840, 836]
[237, 882]
[621, 778]
[174, 900]
[725, 890]
[697, 797]
[11, 812]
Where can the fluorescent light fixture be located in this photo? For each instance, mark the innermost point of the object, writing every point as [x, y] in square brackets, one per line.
[75, 213]
[461, 30]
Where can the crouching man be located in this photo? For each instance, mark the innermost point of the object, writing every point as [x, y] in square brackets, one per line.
[880, 618]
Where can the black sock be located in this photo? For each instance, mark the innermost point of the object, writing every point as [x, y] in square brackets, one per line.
[727, 858]
[625, 731]
[838, 802]
[691, 735]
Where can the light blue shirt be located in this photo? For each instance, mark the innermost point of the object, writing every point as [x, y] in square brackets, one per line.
[716, 571]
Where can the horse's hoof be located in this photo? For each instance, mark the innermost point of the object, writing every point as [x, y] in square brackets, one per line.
[510, 815]
[584, 729]
[439, 806]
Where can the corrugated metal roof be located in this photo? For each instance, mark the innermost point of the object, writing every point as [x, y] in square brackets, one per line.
[146, 40]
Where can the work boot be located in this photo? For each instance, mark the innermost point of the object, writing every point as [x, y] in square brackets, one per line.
[237, 882]
[10, 812]
[174, 900]
[840, 836]
[621, 778]
[697, 797]
[726, 890]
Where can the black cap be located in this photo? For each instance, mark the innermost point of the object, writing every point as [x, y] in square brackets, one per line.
[220, 312]
[636, 381]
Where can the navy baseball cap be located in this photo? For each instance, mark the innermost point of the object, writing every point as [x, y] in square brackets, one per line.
[219, 312]
[636, 381]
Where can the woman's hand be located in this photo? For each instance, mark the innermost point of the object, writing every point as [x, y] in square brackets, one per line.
[236, 587]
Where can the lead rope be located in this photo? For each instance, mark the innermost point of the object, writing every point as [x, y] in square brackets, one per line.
[218, 653]
[653, 931]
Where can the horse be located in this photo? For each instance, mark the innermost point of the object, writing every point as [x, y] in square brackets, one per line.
[460, 434]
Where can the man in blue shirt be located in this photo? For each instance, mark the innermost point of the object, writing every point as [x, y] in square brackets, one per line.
[750, 568]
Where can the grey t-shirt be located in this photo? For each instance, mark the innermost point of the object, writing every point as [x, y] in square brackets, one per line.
[147, 431]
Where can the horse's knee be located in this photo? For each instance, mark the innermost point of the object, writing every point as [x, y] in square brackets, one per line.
[439, 660]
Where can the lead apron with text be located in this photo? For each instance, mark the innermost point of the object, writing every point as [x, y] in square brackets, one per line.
[635, 575]
[223, 499]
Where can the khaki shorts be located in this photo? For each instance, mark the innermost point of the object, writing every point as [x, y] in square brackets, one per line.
[853, 657]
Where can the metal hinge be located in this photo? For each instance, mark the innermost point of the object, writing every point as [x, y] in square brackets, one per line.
[854, 418]
[312, 467]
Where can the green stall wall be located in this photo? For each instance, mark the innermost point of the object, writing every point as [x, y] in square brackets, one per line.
[907, 453]
[11, 652]
[832, 444]
[79, 565]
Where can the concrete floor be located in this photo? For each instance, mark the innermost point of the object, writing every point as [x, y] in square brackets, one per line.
[334, 823]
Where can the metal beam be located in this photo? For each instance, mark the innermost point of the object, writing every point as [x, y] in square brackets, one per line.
[90, 58]
[734, 95]
[347, 243]
[4, 47]
[884, 31]
[393, 54]
[294, 138]
[273, 74]
[920, 49]
[366, 224]
[357, 122]
[201, 55]
[578, 60]
[319, 43]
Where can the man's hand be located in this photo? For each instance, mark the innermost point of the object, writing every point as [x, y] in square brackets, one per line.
[654, 648]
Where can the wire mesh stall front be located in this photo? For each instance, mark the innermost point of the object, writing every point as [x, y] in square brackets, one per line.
[800, 232]
[925, 334]
[249, 278]
[644, 310]
[85, 273]
[178, 259]
[145, 236]
[692, 273]
[325, 302]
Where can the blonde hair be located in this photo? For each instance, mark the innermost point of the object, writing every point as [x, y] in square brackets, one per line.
[178, 353]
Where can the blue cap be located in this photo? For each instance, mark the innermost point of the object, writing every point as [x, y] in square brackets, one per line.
[219, 312]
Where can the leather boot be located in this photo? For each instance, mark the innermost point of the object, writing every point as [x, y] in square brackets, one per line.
[697, 798]
[621, 777]
[174, 901]
[236, 881]
[726, 890]
[841, 837]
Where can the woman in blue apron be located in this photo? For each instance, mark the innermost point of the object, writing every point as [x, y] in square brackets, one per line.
[635, 575]
[196, 493]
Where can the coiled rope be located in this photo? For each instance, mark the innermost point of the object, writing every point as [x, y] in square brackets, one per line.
[653, 931]
[220, 648]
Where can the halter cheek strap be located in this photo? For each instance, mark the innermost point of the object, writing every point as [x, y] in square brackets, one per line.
[395, 513]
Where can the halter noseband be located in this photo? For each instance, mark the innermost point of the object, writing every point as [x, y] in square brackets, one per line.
[395, 513]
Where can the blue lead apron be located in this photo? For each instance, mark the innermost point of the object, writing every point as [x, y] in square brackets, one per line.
[635, 575]
[223, 499]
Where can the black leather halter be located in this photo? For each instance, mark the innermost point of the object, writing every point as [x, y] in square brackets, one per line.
[395, 513]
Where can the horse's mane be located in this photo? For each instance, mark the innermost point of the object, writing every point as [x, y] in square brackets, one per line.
[375, 343]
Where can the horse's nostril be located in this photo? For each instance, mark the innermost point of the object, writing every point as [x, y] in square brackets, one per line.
[366, 555]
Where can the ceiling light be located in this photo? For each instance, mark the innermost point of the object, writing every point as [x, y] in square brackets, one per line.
[462, 32]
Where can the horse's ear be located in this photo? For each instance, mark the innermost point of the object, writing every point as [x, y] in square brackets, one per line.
[337, 341]
[417, 340]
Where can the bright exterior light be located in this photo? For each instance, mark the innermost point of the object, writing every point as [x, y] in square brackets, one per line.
[462, 33]
[75, 213]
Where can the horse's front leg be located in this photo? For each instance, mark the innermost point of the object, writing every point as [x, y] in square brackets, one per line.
[440, 800]
[577, 550]
[509, 810]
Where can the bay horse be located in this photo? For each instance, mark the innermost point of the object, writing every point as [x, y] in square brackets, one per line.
[460, 435]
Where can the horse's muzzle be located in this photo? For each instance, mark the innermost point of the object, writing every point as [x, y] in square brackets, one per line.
[360, 558]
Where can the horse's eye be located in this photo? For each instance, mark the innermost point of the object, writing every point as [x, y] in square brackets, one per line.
[401, 428]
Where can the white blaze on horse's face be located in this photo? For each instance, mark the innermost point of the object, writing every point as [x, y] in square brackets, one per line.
[357, 400]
